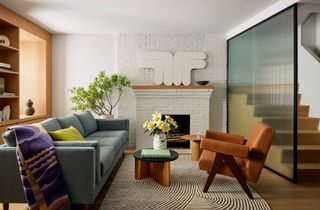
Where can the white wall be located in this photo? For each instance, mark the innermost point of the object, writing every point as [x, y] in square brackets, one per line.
[268, 12]
[309, 74]
[213, 44]
[318, 33]
[77, 59]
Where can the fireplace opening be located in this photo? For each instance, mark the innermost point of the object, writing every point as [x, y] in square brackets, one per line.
[176, 141]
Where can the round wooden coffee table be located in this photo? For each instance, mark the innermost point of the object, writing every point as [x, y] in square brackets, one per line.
[157, 168]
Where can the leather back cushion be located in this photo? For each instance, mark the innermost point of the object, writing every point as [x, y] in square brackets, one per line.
[88, 122]
[259, 142]
[71, 120]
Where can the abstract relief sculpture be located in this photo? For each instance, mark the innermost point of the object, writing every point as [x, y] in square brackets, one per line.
[160, 62]
[171, 69]
[184, 62]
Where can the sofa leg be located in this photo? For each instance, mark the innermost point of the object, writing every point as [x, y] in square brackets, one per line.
[86, 206]
[5, 206]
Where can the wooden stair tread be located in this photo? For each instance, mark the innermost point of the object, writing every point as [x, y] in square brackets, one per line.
[300, 131]
[306, 166]
[300, 147]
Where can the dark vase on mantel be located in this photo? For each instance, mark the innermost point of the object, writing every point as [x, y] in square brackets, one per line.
[29, 110]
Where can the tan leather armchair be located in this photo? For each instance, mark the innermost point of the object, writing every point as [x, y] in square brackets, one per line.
[233, 155]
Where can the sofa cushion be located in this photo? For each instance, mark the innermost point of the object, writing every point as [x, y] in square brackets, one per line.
[117, 142]
[88, 122]
[51, 124]
[119, 133]
[9, 138]
[71, 120]
[107, 154]
[66, 134]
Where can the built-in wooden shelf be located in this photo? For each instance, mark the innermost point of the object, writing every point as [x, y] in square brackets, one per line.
[9, 122]
[9, 96]
[5, 71]
[4, 47]
[146, 87]
[24, 117]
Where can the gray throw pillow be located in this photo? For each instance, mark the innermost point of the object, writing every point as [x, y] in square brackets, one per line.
[71, 120]
[88, 122]
[51, 124]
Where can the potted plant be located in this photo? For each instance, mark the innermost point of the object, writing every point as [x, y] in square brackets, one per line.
[160, 127]
[101, 96]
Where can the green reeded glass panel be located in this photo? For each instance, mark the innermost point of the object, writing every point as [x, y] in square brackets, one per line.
[261, 66]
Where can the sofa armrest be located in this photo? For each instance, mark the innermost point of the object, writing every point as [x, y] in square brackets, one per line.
[93, 144]
[114, 124]
[78, 166]
[10, 181]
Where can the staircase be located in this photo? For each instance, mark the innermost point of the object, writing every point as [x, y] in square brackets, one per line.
[261, 107]
[280, 117]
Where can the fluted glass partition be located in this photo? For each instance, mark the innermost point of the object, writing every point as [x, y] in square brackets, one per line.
[261, 86]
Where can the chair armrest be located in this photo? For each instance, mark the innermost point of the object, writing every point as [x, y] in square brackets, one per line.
[226, 148]
[231, 138]
[112, 125]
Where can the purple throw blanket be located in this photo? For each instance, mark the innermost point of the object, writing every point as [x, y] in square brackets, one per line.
[41, 176]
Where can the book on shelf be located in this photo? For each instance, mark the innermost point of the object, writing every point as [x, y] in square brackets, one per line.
[5, 66]
[151, 153]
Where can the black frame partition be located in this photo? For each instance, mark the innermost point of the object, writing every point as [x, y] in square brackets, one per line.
[262, 86]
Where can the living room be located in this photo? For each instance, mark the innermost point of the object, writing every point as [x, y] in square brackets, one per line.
[152, 104]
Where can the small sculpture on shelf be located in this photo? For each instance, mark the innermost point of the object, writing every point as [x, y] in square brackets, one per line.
[4, 40]
[29, 110]
[5, 114]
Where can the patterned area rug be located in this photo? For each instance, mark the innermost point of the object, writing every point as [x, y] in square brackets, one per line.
[185, 191]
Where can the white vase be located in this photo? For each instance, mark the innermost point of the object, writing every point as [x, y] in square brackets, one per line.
[106, 116]
[159, 142]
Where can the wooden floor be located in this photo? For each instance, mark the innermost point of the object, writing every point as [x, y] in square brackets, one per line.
[278, 192]
[282, 194]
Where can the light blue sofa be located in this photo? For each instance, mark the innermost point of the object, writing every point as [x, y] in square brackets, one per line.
[86, 165]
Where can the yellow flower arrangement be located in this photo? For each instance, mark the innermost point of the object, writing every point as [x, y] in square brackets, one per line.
[159, 125]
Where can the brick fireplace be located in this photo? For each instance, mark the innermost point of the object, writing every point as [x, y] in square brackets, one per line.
[190, 100]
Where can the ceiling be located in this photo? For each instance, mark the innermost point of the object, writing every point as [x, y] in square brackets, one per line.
[138, 16]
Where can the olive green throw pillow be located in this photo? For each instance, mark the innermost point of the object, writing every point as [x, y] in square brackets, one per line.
[66, 134]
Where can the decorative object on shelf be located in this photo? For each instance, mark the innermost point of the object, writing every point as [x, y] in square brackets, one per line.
[171, 69]
[6, 113]
[0, 116]
[160, 127]
[101, 96]
[4, 40]
[204, 82]
[2, 80]
[5, 66]
[8, 94]
[29, 110]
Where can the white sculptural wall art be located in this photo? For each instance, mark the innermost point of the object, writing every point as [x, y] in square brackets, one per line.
[171, 69]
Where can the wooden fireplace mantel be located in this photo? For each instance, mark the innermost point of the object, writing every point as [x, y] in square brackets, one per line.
[152, 87]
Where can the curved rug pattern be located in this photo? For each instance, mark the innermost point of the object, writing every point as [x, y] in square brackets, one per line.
[185, 191]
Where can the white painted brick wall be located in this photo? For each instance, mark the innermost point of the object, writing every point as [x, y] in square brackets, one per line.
[214, 45]
[193, 102]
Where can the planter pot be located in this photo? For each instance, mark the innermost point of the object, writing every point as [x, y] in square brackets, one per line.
[106, 116]
[159, 142]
